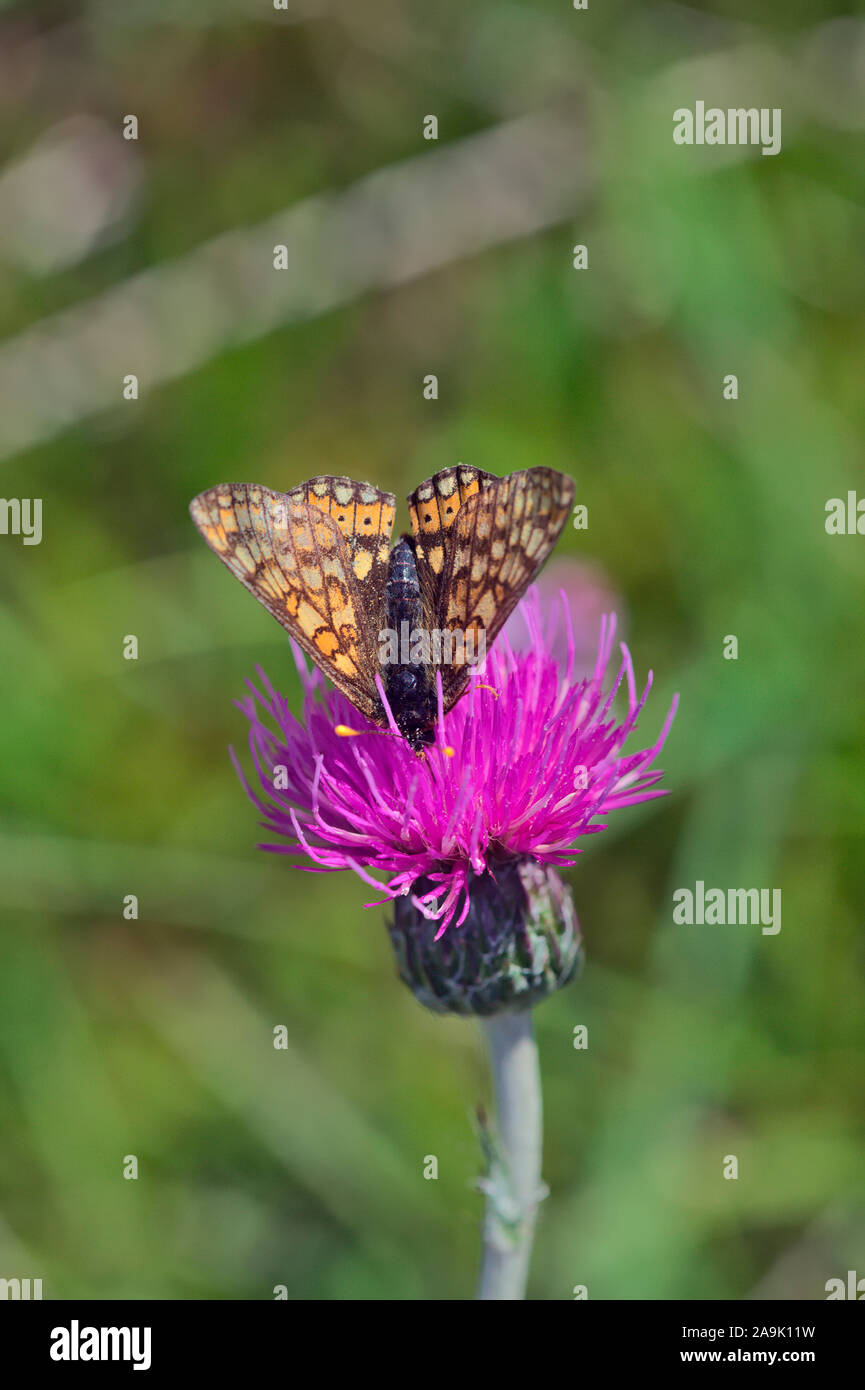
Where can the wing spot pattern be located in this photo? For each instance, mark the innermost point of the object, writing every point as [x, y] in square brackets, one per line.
[311, 577]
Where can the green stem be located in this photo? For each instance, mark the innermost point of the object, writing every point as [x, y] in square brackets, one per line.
[513, 1184]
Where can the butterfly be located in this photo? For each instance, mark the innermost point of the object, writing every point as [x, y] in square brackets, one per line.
[319, 558]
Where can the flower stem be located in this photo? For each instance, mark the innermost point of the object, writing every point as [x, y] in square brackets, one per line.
[513, 1182]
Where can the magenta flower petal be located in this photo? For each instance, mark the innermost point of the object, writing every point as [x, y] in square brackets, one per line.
[537, 762]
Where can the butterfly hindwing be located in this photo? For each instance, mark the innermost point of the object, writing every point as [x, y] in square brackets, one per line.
[364, 515]
[480, 542]
[434, 508]
[316, 558]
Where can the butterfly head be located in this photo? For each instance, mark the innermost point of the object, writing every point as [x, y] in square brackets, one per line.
[418, 738]
[413, 705]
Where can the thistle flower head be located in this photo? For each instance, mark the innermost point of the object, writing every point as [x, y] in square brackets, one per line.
[529, 762]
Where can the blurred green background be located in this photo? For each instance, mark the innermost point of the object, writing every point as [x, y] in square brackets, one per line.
[153, 1036]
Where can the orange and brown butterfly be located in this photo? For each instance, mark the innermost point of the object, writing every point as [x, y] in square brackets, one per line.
[319, 558]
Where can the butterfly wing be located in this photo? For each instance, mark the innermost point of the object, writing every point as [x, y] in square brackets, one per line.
[316, 558]
[434, 508]
[480, 541]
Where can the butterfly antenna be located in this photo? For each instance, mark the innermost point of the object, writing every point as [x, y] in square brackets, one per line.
[344, 731]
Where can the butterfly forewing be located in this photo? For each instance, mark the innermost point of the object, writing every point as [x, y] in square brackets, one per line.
[480, 542]
[316, 558]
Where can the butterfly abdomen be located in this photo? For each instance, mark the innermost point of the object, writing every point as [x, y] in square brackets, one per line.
[403, 586]
[407, 682]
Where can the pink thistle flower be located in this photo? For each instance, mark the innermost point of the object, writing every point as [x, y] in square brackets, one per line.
[529, 762]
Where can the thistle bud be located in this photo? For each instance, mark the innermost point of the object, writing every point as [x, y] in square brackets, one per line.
[519, 942]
